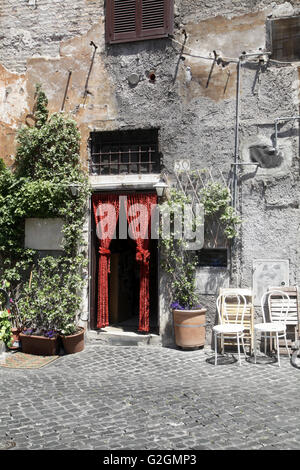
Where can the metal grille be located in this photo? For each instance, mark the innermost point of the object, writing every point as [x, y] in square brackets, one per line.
[191, 183]
[124, 152]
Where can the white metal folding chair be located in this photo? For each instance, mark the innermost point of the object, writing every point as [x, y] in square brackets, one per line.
[231, 317]
[278, 303]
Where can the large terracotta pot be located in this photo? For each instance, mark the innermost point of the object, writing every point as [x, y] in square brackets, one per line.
[189, 327]
[74, 343]
[39, 345]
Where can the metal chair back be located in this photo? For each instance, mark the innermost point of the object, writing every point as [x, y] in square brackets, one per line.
[278, 303]
[233, 311]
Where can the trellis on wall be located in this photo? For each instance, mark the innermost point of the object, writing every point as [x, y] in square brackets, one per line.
[192, 183]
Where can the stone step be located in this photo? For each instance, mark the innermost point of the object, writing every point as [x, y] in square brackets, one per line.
[117, 337]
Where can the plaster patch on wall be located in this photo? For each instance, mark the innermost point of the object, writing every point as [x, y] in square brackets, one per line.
[13, 106]
[286, 9]
[229, 38]
[89, 99]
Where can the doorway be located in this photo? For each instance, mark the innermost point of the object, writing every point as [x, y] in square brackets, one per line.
[123, 283]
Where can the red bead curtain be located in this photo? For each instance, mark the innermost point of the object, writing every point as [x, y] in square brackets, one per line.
[106, 220]
[138, 212]
[140, 205]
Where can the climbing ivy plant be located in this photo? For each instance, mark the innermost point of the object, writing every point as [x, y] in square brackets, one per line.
[177, 261]
[47, 164]
[216, 199]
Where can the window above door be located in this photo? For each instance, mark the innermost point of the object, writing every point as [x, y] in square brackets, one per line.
[125, 152]
[137, 20]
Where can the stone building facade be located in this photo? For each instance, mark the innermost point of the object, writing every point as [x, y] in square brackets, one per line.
[190, 98]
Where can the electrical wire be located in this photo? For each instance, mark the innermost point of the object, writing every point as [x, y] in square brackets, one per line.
[226, 59]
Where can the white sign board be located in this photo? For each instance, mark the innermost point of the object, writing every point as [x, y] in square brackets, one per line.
[44, 234]
[269, 273]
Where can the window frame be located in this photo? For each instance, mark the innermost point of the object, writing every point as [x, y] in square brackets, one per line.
[121, 139]
[138, 34]
[274, 41]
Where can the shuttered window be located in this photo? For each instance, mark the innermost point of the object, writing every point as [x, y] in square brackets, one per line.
[136, 20]
[286, 39]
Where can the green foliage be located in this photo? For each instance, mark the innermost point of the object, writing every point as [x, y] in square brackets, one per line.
[47, 164]
[5, 328]
[41, 111]
[51, 300]
[178, 262]
[53, 147]
[216, 199]
[2, 166]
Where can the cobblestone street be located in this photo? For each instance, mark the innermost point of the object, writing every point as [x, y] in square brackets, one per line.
[149, 398]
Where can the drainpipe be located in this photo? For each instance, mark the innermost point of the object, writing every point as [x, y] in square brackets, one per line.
[285, 118]
[237, 128]
[236, 163]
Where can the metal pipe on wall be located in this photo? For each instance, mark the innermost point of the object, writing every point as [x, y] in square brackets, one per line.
[284, 118]
[237, 127]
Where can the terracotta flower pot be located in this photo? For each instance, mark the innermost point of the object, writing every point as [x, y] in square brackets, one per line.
[16, 343]
[189, 327]
[74, 343]
[39, 345]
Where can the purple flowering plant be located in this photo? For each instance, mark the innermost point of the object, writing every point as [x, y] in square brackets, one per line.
[177, 306]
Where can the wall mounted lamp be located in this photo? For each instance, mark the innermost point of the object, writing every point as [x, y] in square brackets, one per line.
[161, 187]
[74, 188]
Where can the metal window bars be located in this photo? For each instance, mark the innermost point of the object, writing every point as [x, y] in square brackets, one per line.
[113, 158]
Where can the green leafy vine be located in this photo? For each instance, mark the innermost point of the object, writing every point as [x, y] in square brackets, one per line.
[177, 261]
[216, 199]
[47, 164]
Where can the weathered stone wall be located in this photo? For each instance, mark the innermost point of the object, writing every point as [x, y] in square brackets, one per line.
[42, 41]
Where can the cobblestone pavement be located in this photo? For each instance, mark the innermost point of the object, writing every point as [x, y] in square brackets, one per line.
[149, 398]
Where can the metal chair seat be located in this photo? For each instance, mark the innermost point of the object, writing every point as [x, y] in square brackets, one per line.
[227, 328]
[272, 327]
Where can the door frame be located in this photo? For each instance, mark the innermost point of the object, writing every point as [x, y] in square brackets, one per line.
[92, 254]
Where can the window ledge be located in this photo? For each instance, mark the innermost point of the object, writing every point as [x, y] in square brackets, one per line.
[124, 181]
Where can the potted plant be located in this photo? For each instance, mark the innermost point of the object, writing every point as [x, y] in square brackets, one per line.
[9, 318]
[180, 264]
[47, 166]
[14, 316]
[49, 306]
[72, 337]
[5, 328]
[40, 342]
